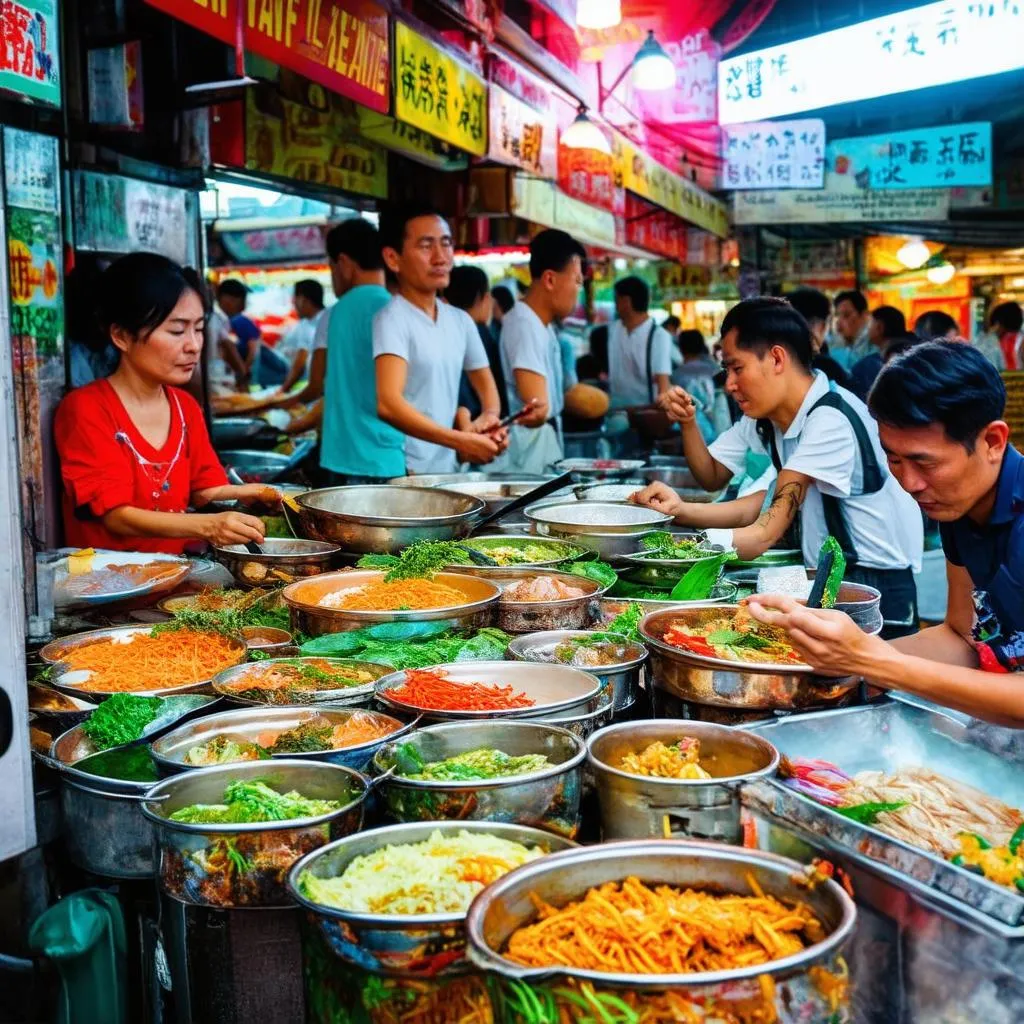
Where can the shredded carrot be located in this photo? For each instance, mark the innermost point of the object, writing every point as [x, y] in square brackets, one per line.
[414, 595]
[431, 691]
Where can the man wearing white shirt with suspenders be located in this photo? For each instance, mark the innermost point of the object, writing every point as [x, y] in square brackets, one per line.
[639, 351]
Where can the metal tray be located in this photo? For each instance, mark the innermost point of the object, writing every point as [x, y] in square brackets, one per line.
[107, 559]
[886, 737]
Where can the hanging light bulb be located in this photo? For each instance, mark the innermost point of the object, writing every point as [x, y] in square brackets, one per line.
[598, 13]
[941, 273]
[653, 70]
[584, 134]
[913, 254]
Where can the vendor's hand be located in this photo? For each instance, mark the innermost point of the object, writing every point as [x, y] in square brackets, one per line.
[225, 528]
[489, 424]
[258, 494]
[658, 496]
[476, 449]
[678, 405]
[829, 641]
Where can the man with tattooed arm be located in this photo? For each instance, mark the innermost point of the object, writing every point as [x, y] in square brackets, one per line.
[831, 472]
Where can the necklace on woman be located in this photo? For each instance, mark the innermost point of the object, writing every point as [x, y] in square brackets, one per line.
[161, 484]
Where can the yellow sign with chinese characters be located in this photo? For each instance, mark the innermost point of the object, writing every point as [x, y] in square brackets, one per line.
[439, 94]
[643, 175]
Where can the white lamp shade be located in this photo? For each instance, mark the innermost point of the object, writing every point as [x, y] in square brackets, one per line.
[654, 72]
[598, 13]
[941, 274]
[584, 134]
[913, 254]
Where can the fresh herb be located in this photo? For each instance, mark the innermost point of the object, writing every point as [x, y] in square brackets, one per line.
[307, 738]
[627, 623]
[479, 764]
[737, 640]
[700, 578]
[599, 572]
[226, 622]
[251, 801]
[867, 814]
[835, 575]
[420, 560]
[120, 719]
[667, 545]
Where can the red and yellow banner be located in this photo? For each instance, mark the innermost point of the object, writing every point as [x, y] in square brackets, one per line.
[341, 44]
[586, 174]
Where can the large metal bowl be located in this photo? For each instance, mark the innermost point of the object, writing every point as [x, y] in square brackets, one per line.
[724, 592]
[247, 865]
[732, 684]
[383, 519]
[419, 945]
[575, 519]
[282, 561]
[249, 724]
[567, 552]
[310, 618]
[496, 491]
[640, 807]
[508, 904]
[582, 719]
[531, 616]
[548, 799]
[553, 688]
[336, 697]
[600, 469]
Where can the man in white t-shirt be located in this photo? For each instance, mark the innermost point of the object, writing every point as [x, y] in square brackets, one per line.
[296, 347]
[530, 353]
[421, 347]
[833, 478]
[639, 351]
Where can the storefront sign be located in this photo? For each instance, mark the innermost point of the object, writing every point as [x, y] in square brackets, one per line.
[438, 93]
[30, 171]
[412, 142]
[518, 81]
[521, 136]
[275, 245]
[542, 203]
[774, 154]
[938, 43]
[320, 147]
[586, 175]
[30, 49]
[822, 206]
[342, 44]
[956, 154]
[115, 85]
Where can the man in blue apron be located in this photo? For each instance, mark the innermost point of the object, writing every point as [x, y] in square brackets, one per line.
[940, 413]
[831, 473]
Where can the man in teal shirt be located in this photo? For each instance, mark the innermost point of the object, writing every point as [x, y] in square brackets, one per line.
[356, 445]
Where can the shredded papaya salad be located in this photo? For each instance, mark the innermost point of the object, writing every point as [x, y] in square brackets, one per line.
[430, 690]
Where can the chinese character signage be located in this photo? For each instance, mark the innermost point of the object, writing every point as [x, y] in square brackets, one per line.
[341, 44]
[774, 154]
[438, 93]
[586, 174]
[30, 49]
[838, 204]
[956, 154]
[30, 171]
[934, 44]
[410, 141]
[521, 136]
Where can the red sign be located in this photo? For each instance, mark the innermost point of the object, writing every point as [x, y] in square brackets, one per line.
[586, 174]
[654, 229]
[341, 44]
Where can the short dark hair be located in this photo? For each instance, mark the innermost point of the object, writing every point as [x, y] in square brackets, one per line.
[503, 297]
[764, 322]
[467, 285]
[692, 343]
[231, 286]
[810, 303]
[901, 345]
[635, 289]
[854, 298]
[312, 291]
[138, 292]
[672, 323]
[935, 324]
[552, 249]
[395, 219]
[1007, 315]
[944, 382]
[892, 322]
[357, 239]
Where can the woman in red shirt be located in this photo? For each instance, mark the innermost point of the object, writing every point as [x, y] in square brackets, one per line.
[134, 450]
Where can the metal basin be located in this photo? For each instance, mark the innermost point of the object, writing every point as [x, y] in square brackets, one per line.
[507, 905]
[639, 807]
[227, 684]
[265, 467]
[309, 617]
[240, 432]
[282, 561]
[383, 519]
[599, 469]
[243, 866]
[549, 799]
[724, 592]
[250, 724]
[580, 518]
[422, 945]
[495, 491]
[485, 543]
[582, 719]
[531, 616]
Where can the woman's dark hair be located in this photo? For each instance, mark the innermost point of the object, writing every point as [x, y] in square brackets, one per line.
[944, 382]
[692, 343]
[810, 303]
[357, 239]
[1008, 316]
[855, 299]
[138, 292]
[503, 297]
[468, 284]
[635, 289]
[761, 323]
[892, 321]
[935, 324]
[553, 249]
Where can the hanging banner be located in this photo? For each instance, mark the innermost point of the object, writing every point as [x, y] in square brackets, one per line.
[586, 175]
[438, 93]
[774, 154]
[521, 136]
[30, 49]
[341, 44]
[838, 204]
[410, 141]
[540, 202]
[953, 155]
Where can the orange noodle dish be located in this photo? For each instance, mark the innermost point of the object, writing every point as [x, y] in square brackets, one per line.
[679, 760]
[151, 661]
[733, 638]
[399, 595]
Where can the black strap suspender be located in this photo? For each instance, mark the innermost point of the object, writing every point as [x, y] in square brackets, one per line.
[650, 376]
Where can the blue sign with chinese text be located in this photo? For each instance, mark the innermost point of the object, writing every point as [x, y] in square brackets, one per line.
[952, 155]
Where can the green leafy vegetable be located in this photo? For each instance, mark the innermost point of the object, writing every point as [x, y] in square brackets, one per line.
[307, 738]
[421, 559]
[227, 622]
[835, 576]
[482, 763]
[626, 623]
[667, 545]
[247, 802]
[599, 572]
[130, 764]
[867, 814]
[120, 719]
[700, 578]
[734, 638]
[411, 645]
[224, 750]
[377, 562]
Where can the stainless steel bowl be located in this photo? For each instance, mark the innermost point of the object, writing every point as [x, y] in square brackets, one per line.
[309, 617]
[567, 551]
[573, 519]
[647, 570]
[599, 469]
[552, 688]
[250, 724]
[384, 519]
[531, 616]
[508, 904]
[337, 697]
[496, 491]
[267, 640]
[621, 679]
[730, 684]
[281, 561]
[420, 945]
[548, 799]
[724, 592]
[640, 807]
[246, 865]
[582, 720]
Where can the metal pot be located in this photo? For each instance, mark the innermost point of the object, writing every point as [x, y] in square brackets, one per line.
[573, 519]
[724, 592]
[639, 807]
[224, 684]
[796, 993]
[307, 615]
[424, 945]
[622, 679]
[246, 865]
[548, 799]
[531, 616]
[384, 519]
[281, 561]
[498, 572]
[582, 720]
